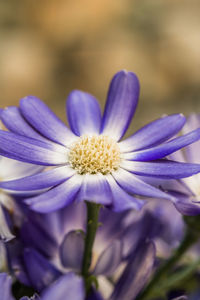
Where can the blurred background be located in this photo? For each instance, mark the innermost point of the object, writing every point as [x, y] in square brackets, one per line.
[49, 47]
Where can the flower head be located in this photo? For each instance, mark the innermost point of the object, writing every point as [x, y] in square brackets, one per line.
[89, 162]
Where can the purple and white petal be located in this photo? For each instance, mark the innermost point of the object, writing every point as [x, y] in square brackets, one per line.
[186, 204]
[187, 208]
[30, 150]
[164, 149]
[72, 249]
[96, 189]
[5, 232]
[14, 121]
[39, 181]
[11, 169]
[5, 287]
[164, 169]
[69, 285]
[154, 133]
[58, 197]
[193, 122]
[109, 260]
[121, 103]
[120, 199]
[84, 114]
[136, 273]
[45, 121]
[134, 185]
[41, 273]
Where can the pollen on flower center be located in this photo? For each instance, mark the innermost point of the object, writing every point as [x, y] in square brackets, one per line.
[94, 154]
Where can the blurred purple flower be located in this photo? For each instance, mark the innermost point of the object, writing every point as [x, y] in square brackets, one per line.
[53, 244]
[69, 285]
[89, 161]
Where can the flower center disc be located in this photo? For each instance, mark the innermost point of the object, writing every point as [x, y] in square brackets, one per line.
[94, 154]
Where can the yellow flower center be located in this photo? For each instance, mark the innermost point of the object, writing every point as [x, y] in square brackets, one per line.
[94, 154]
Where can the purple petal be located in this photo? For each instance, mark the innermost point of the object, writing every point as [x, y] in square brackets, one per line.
[34, 235]
[5, 287]
[133, 185]
[11, 169]
[30, 150]
[109, 259]
[69, 285]
[14, 121]
[187, 208]
[72, 249]
[121, 104]
[136, 273]
[57, 197]
[41, 273]
[39, 181]
[95, 188]
[185, 204]
[193, 122]
[154, 133]
[120, 199]
[164, 169]
[165, 149]
[34, 297]
[84, 114]
[45, 121]
[5, 233]
[94, 295]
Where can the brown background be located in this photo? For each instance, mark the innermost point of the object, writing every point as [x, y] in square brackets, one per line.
[48, 48]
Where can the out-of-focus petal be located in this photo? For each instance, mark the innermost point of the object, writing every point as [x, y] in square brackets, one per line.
[109, 259]
[84, 114]
[5, 287]
[5, 232]
[45, 121]
[193, 122]
[120, 199]
[41, 273]
[164, 149]
[94, 295]
[121, 104]
[154, 133]
[133, 185]
[12, 169]
[39, 181]
[30, 150]
[71, 250]
[69, 285]
[164, 169]
[33, 235]
[185, 204]
[136, 273]
[57, 197]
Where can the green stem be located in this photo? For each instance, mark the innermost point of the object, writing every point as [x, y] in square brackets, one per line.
[92, 225]
[189, 239]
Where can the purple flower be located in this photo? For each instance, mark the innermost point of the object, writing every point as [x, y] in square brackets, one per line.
[69, 285]
[89, 161]
[53, 244]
